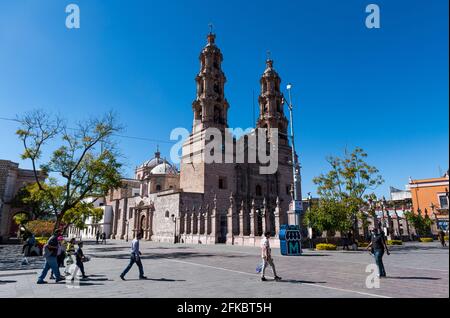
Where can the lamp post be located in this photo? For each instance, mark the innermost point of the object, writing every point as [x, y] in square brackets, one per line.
[295, 167]
[174, 220]
[310, 233]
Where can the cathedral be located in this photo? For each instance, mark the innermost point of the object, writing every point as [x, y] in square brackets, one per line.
[211, 203]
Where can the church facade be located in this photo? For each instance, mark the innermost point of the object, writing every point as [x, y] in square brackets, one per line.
[210, 203]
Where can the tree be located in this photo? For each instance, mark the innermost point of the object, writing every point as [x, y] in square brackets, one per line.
[344, 190]
[420, 223]
[85, 163]
[33, 203]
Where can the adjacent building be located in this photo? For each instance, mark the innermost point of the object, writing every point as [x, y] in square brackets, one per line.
[431, 197]
[12, 179]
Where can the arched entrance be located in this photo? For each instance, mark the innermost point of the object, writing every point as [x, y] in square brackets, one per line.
[142, 224]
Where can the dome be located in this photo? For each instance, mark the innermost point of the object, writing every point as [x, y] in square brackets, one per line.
[156, 160]
[164, 168]
[152, 163]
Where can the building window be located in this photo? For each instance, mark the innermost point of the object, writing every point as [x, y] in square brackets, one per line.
[158, 187]
[443, 201]
[130, 213]
[288, 189]
[167, 214]
[258, 190]
[222, 183]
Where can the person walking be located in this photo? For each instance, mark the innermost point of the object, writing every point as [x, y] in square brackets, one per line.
[345, 243]
[266, 255]
[378, 246]
[70, 251]
[97, 237]
[104, 238]
[80, 259]
[60, 255]
[135, 257]
[50, 254]
[442, 237]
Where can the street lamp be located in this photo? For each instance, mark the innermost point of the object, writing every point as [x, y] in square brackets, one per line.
[294, 162]
[174, 220]
[128, 222]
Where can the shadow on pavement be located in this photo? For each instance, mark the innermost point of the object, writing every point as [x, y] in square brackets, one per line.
[294, 281]
[7, 282]
[158, 280]
[413, 277]
[174, 255]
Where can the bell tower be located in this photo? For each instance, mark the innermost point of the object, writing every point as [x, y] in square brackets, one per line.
[210, 106]
[271, 100]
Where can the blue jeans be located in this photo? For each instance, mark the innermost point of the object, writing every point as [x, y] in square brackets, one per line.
[50, 263]
[378, 254]
[137, 260]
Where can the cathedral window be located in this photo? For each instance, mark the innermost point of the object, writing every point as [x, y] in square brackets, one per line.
[167, 214]
[258, 190]
[158, 187]
[222, 183]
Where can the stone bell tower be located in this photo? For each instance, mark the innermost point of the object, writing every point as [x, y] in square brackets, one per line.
[210, 106]
[210, 113]
[271, 114]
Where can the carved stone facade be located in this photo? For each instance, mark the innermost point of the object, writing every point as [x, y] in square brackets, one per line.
[211, 203]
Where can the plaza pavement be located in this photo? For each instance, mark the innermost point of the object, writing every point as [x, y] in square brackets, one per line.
[191, 271]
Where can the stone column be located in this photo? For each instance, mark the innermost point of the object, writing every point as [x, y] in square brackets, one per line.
[199, 221]
[193, 224]
[253, 220]
[277, 218]
[147, 225]
[213, 237]
[241, 219]
[230, 236]
[207, 220]
[264, 216]
[186, 219]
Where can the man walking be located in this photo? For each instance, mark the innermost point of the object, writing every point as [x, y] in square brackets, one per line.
[442, 237]
[50, 254]
[104, 238]
[80, 258]
[97, 237]
[135, 257]
[378, 246]
[266, 255]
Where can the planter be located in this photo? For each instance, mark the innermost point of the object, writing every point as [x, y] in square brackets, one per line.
[426, 240]
[325, 247]
[394, 242]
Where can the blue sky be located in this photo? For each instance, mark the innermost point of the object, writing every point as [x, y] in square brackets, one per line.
[385, 90]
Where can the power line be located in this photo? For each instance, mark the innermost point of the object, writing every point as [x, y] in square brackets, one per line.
[115, 135]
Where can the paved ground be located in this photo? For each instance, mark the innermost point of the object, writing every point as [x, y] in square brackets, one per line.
[414, 270]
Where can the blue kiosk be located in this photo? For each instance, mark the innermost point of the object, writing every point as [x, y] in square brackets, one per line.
[290, 240]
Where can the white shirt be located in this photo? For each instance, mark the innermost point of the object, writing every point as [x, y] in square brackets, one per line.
[135, 247]
[265, 244]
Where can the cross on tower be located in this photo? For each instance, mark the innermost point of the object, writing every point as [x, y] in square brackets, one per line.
[211, 26]
[269, 55]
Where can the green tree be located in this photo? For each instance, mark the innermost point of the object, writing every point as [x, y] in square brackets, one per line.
[84, 162]
[420, 223]
[344, 190]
